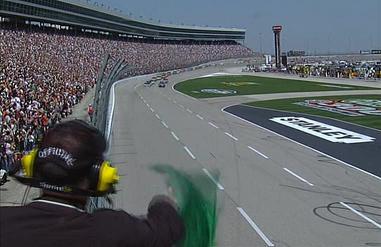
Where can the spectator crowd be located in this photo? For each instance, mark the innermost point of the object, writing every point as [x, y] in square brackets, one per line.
[43, 75]
[349, 66]
[351, 71]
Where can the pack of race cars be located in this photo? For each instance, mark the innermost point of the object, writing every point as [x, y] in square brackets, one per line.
[161, 80]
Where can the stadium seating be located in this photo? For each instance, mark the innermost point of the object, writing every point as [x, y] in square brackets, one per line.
[43, 75]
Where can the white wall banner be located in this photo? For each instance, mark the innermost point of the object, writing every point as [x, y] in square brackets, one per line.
[325, 131]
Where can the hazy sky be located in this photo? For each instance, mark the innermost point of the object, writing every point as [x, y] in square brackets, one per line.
[315, 25]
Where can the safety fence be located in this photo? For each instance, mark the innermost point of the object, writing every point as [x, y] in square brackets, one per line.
[109, 72]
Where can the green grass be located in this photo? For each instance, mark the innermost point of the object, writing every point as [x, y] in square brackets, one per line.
[288, 105]
[261, 85]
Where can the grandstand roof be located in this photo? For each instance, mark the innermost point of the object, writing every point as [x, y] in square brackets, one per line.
[82, 15]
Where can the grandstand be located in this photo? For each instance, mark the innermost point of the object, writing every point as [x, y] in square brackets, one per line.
[78, 16]
[51, 52]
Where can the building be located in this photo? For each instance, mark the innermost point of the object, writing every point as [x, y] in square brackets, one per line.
[293, 53]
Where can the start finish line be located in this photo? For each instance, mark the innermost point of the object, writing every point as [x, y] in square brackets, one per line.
[324, 131]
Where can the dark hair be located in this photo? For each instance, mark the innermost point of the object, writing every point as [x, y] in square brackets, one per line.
[82, 141]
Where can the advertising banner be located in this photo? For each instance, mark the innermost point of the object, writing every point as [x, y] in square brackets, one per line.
[321, 130]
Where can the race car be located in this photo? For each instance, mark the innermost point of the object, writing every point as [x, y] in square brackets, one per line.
[148, 83]
[161, 84]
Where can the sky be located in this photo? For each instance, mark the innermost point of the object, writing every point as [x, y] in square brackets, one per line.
[316, 26]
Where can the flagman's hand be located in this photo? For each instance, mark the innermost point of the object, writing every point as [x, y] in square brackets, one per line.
[164, 198]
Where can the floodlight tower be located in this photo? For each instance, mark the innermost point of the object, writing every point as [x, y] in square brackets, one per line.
[277, 29]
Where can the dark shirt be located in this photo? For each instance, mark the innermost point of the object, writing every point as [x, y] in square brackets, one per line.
[44, 224]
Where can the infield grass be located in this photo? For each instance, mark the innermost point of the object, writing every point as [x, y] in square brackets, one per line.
[288, 105]
[245, 85]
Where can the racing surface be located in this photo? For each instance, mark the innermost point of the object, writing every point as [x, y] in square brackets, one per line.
[272, 191]
[365, 155]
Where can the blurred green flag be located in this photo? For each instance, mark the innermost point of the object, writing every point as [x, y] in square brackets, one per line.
[196, 196]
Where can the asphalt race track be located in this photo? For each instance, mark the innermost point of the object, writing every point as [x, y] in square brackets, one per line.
[366, 155]
[272, 191]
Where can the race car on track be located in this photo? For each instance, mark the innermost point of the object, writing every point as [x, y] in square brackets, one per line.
[148, 83]
[161, 84]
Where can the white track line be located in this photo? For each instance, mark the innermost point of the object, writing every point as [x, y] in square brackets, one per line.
[361, 215]
[261, 154]
[189, 111]
[164, 123]
[199, 117]
[175, 136]
[182, 106]
[220, 187]
[231, 136]
[211, 124]
[152, 110]
[297, 176]
[110, 111]
[189, 152]
[148, 105]
[255, 227]
[157, 116]
[303, 145]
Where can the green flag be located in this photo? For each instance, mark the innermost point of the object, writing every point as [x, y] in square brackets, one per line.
[196, 196]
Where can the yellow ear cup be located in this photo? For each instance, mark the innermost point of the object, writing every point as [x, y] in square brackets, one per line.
[27, 162]
[107, 176]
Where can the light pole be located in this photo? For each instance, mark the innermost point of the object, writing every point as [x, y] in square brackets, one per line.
[260, 43]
